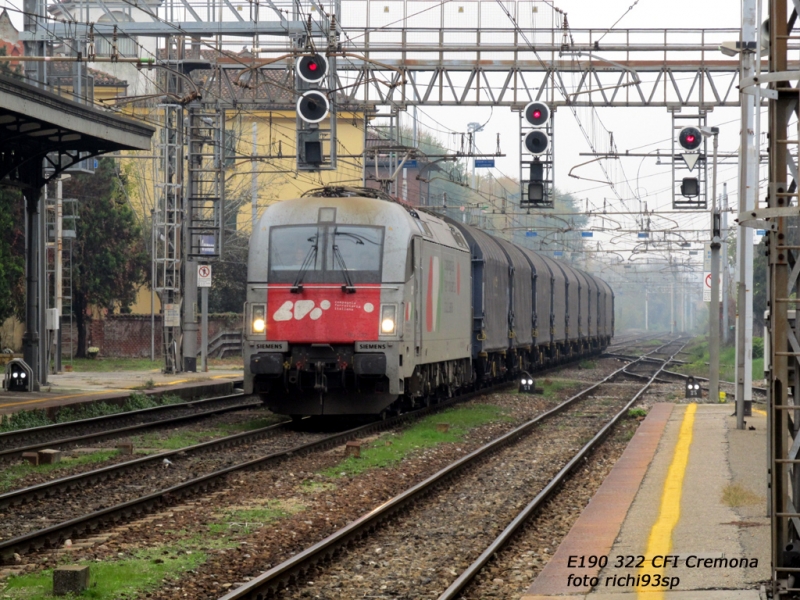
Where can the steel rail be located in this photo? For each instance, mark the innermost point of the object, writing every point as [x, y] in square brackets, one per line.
[48, 488]
[470, 572]
[111, 433]
[34, 431]
[699, 378]
[273, 579]
[55, 534]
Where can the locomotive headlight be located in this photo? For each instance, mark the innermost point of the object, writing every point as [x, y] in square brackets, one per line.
[388, 319]
[258, 318]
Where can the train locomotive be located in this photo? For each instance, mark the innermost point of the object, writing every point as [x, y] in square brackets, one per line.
[358, 304]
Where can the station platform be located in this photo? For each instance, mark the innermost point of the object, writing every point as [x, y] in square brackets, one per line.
[80, 388]
[684, 507]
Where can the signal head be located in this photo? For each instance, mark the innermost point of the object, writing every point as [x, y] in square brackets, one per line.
[312, 68]
[537, 114]
[690, 187]
[312, 106]
[690, 138]
[537, 142]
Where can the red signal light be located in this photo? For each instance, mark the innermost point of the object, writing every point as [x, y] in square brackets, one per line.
[690, 138]
[537, 114]
[312, 66]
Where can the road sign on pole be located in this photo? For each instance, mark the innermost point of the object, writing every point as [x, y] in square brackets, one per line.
[204, 276]
[707, 287]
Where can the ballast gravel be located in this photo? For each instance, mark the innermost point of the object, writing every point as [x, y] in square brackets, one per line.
[325, 504]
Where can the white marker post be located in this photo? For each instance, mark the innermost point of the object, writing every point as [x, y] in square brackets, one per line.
[204, 282]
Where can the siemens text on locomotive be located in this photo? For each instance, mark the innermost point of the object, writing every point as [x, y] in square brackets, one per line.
[357, 304]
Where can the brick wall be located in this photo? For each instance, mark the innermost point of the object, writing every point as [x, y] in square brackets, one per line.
[129, 335]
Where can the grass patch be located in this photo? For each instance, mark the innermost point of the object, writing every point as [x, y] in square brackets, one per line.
[173, 442]
[121, 579]
[698, 359]
[552, 386]
[315, 487]
[110, 364]
[190, 438]
[390, 449]
[625, 436]
[736, 495]
[247, 520]
[26, 419]
[106, 365]
[11, 474]
[635, 413]
[587, 364]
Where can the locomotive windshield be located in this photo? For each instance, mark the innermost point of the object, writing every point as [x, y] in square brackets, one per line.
[325, 253]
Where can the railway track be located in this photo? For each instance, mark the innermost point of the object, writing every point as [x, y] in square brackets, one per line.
[33, 498]
[87, 431]
[188, 471]
[445, 489]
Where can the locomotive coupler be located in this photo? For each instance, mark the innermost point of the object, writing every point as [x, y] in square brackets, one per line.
[320, 379]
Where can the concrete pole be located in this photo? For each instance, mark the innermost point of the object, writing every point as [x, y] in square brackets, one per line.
[44, 335]
[152, 285]
[646, 316]
[713, 306]
[725, 270]
[190, 325]
[748, 185]
[59, 267]
[30, 339]
[672, 306]
[204, 331]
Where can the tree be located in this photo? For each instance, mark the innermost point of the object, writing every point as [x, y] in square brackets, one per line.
[109, 257]
[12, 254]
[8, 69]
[229, 282]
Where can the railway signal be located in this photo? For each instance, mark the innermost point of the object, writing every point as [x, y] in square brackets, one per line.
[690, 138]
[313, 107]
[690, 187]
[688, 145]
[536, 183]
[18, 376]
[537, 156]
[312, 68]
[537, 141]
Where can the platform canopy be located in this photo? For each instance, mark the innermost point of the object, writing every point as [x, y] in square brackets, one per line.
[37, 125]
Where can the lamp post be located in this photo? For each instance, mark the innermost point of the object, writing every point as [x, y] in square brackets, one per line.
[474, 128]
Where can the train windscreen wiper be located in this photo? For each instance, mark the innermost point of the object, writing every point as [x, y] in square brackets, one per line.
[310, 259]
[348, 287]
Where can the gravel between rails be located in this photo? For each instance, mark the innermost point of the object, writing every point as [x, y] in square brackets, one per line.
[58, 431]
[205, 430]
[326, 503]
[514, 568]
[418, 554]
[139, 481]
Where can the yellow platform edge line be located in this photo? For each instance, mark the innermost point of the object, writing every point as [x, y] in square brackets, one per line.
[51, 398]
[659, 543]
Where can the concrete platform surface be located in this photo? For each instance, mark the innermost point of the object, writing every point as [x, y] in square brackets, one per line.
[701, 503]
[73, 388]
